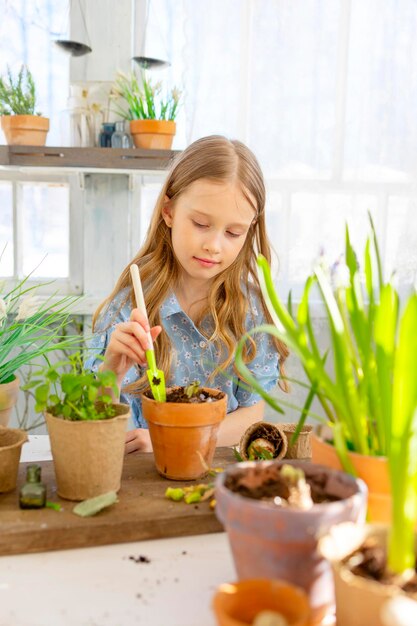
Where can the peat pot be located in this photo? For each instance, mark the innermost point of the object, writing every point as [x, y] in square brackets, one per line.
[368, 597]
[11, 442]
[88, 455]
[270, 541]
[8, 398]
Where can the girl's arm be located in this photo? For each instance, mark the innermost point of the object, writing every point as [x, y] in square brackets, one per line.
[236, 422]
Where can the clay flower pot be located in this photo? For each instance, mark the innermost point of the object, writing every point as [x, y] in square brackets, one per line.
[88, 455]
[237, 604]
[367, 596]
[153, 134]
[270, 541]
[11, 442]
[25, 130]
[272, 433]
[184, 436]
[8, 399]
[372, 469]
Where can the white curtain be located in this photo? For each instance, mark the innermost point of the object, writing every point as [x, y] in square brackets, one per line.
[325, 93]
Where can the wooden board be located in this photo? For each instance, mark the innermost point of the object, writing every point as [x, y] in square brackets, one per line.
[113, 158]
[141, 513]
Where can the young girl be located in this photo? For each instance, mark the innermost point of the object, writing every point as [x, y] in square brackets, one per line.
[201, 289]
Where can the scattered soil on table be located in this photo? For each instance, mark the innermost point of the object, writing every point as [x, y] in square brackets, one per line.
[370, 561]
[140, 559]
[267, 483]
[177, 394]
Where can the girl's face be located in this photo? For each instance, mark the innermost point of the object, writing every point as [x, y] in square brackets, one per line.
[209, 223]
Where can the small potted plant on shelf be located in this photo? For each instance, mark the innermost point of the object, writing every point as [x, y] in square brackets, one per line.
[358, 397]
[20, 122]
[151, 114]
[86, 427]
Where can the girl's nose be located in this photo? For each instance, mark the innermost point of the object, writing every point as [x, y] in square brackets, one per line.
[212, 243]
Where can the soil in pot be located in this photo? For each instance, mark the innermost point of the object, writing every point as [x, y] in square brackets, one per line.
[370, 562]
[178, 394]
[281, 484]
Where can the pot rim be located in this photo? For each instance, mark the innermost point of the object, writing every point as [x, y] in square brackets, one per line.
[22, 439]
[376, 459]
[362, 489]
[108, 420]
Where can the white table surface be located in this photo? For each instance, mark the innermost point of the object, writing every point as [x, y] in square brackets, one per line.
[101, 586]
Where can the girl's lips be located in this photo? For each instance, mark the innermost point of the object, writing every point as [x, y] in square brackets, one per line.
[206, 262]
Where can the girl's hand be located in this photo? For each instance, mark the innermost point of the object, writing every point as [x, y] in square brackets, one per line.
[127, 345]
[138, 440]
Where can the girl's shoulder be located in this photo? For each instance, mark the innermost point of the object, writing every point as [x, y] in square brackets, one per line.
[117, 310]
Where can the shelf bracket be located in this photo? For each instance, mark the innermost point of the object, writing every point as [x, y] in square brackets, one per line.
[132, 182]
[81, 180]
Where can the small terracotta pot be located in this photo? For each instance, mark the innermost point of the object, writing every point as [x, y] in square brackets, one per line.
[88, 455]
[153, 134]
[184, 436]
[237, 604]
[8, 399]
[25, 130]
[366, 596]
[271, 432]
[11, 442]
[301, 449]
[270, 541]
[372, 469]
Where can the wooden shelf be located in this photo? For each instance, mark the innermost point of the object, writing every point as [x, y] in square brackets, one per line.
[86, 158]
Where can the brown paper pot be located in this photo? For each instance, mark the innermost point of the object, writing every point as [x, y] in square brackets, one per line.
[358, 601]
[11, 442]
[301, 449]
[184, 436]
[8, 399]
[271, 432]
[88, 455]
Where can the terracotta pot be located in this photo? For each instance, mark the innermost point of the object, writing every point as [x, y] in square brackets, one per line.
[153, 134]
[88, 455]
[8, 399]
[271, 432]
[237, 604]
[368, 597]
[301, 449]
[11, 442]
[270, 541]
[372, 469]
[184, 436]
[25, 130]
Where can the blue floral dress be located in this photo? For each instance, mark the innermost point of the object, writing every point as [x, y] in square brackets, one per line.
[194, 357]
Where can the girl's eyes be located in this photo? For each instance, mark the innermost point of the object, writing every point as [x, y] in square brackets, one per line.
[228, 232]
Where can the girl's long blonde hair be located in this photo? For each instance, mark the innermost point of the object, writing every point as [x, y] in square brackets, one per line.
[217, 159]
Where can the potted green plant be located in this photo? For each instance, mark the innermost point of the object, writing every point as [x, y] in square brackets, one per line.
[370, 403]
[20, 122]
[358, 396]
[184, 429]
[86, 427]
[151, 114]
[29, 328]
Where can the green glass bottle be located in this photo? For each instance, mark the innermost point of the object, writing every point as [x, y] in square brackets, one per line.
[33, 493]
